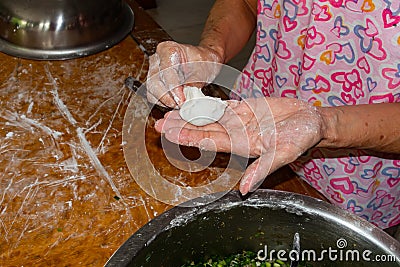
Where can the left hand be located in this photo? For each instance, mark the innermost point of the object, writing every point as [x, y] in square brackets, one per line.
[276, 130]
[174, 65]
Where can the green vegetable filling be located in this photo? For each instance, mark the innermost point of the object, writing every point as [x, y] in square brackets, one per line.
[244, 259]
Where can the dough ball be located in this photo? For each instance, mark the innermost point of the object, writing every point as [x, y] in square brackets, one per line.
[199, 109]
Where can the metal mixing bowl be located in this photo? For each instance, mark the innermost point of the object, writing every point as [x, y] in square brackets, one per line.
[266, 221]
[62, 29]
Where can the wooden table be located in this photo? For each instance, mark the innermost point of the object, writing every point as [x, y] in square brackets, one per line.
[66, 195]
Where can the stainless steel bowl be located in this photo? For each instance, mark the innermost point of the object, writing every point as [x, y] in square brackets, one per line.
[62, 29]
[265, 221]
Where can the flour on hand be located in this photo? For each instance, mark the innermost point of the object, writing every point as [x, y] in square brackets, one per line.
[199, 109]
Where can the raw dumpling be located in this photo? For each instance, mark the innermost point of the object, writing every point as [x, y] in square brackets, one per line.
[199, 109]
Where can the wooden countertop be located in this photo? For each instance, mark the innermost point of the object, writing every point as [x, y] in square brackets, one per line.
[67, 197]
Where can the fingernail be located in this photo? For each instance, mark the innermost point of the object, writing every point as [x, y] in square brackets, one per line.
[243, 186]
[243, 191]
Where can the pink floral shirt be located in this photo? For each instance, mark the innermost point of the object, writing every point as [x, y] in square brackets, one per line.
[334, 53]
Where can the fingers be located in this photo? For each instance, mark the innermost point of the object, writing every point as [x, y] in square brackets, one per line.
[174, 65]
[154, 84]
[228, 135]
[212, 137]
[172, 120]
[256, 173]
[218, 141]
[165, 76]
[171, 59]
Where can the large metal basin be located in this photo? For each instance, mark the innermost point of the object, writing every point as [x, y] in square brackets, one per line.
[267, 218]
[62, 29]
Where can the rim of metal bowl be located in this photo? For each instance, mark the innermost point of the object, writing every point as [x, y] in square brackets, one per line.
[75, 52]
[260, 198]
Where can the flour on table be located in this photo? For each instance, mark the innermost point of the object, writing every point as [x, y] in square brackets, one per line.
[199, 109]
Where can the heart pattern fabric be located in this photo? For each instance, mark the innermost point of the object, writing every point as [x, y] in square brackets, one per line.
[334, 53]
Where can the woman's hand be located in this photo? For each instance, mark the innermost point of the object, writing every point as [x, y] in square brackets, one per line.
[174, 65]
[229, 26]
[276, 130]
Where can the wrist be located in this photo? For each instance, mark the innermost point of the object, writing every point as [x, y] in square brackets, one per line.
[329, 127]
[217, 51]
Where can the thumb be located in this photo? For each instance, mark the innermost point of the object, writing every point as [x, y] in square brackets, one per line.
[256, 173]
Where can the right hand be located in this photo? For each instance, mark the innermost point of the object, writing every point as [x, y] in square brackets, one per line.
[168, 71]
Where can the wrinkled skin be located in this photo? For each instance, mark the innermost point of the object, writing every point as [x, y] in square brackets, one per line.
[275, 130]
[174, 65]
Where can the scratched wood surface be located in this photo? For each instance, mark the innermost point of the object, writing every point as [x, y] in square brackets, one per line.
[61, 167]
[66, 195]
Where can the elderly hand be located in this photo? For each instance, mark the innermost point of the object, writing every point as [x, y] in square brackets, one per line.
[174, 65]
[276, 130]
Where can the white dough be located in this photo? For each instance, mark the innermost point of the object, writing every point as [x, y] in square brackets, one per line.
[199, 109]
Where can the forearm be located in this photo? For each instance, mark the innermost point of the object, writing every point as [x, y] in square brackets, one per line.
[229, 27]
[375, 127]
